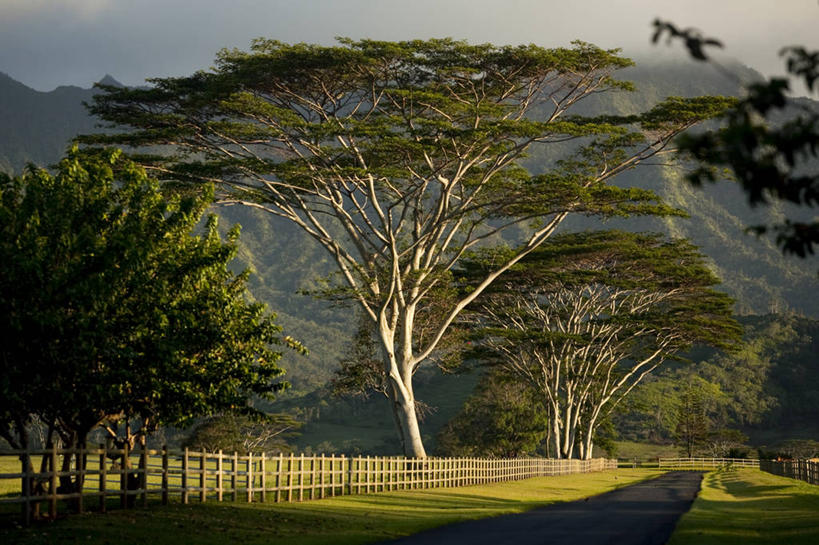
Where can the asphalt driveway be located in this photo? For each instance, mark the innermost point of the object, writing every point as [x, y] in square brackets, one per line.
[641, 514]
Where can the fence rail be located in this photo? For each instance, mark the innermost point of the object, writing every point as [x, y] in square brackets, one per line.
[205, 476]
[706, 463]
[804, 470]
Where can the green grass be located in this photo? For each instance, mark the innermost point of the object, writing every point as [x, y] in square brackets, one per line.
[343, 521]
[9, 464]
[750, 507]
[643, 451]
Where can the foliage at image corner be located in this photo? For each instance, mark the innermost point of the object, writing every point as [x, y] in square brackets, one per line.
[771, 161]
[114, 310]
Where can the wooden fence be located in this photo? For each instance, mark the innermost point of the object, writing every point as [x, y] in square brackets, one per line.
[706, 463]
[804, 470]
[207, 476]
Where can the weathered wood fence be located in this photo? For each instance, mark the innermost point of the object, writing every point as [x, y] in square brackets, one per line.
[208, 476]
[804, 470]
[706, 463]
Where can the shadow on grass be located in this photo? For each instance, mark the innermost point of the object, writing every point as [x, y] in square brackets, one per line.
[751, 507]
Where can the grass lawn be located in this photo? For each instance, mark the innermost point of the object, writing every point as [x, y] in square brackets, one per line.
[642, 451]
[750, 507]
[340, 521]
[9, 464]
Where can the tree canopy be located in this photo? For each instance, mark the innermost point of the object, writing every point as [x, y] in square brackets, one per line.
[113, 309]
[587, 316]
[399, 157]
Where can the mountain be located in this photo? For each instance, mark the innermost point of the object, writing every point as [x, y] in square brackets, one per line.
[38, 126]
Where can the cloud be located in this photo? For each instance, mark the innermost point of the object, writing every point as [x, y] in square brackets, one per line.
[86, 10]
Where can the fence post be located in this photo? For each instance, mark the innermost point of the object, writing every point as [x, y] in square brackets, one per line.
[185, 476]
[321, 471]
[26, 486]
[301, 477]
[164, 474]
[313, 465]
[103, 474]
[250, 477]
[262, 468]
[349, 474]
[279, 477]
[52, 487]
[290, 465]
[234, 483]
[123, 474]
[80, 457]
[143, 461]
[203, 484]
[220, 480]
[332, 475]
[368, 469]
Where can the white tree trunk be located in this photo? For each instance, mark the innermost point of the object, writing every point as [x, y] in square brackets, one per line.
[410, 431]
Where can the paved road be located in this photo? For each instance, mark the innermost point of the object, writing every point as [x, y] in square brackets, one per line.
[641, 514]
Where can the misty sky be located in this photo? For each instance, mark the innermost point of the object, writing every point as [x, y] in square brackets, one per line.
[46, 43]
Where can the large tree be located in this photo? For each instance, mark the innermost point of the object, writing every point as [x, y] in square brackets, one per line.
[113, 309]
[398, 157]
[586, 317]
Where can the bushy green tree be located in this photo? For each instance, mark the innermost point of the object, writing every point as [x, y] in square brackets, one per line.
[798, 449]
[113, 310]
[693, 426]
[502, 419]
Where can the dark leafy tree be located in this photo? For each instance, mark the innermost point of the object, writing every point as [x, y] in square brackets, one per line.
[502, 419]
[244, 434]
[360, 372]
[399, 157]
[650, 412]
[725, 443]
[693, 426]
[772, 162]
[798, 449]
[769, 381]
[113, 311]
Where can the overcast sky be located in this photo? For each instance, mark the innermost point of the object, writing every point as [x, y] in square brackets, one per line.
[46, 43]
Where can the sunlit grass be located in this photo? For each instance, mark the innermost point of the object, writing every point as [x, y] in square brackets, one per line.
[642, 451]
[750, 507]
[346, 520]
[9, 464]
